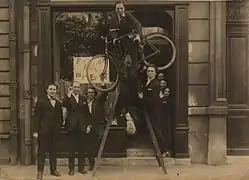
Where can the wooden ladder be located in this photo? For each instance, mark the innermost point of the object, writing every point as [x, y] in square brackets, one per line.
[159, 157]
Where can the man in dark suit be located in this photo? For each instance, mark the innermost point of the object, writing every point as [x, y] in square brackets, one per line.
[164, 116]
[47, 123]
[126, 23]
[77, 125]
[97, 115]
[150, 101]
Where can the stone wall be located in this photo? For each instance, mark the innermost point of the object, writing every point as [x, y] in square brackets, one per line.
[199, 40]
[5, 124]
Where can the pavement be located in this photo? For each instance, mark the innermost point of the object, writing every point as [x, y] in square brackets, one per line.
[237, 168]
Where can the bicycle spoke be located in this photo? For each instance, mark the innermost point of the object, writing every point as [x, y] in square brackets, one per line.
[101, 70]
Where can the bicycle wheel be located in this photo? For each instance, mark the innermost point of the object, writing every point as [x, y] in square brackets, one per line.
[167, 49]
[102, 73]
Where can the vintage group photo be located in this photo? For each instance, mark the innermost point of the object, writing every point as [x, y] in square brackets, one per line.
[124, 89]
[113, 74]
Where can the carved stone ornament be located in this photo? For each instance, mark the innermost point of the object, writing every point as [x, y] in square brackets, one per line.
[238, 10]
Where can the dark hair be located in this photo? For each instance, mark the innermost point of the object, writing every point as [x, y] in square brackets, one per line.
[51, 84]
[119, 2]
[91, 87]
[153, 66]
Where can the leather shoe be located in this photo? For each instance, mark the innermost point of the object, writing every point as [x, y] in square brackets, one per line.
[91, 167]
[39, 176]
[71, 173]
[83, 171]
[55, 173]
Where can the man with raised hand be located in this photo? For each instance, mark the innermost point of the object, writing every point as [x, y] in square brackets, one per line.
[77, 125]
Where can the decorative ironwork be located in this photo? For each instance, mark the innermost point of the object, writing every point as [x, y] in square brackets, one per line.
[12, 37]
[27, 95]
[12, 84]
[27, 142]
[26, 49]
[14, 130]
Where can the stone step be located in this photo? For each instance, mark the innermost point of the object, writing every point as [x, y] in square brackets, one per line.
[129, 161]
[138, 152]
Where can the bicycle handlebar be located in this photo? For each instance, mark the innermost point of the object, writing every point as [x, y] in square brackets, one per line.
[109, 32]
[121, 37]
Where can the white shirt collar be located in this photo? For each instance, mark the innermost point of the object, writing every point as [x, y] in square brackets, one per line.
[76, 96]
[50, 98]
[148, 81]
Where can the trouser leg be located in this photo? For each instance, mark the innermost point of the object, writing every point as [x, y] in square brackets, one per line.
[53, 152]
[82, 150]
[71, 160]
[42, 149]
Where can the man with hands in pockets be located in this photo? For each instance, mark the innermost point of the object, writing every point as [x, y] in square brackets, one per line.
[77, 125]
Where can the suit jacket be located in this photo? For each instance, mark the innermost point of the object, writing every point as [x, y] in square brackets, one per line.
[151, 91]
[77, 116]
[47, 118]
[98, 114]
[151, 99]
[131, 23]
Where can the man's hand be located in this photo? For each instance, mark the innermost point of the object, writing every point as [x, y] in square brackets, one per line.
[137, 39]
[115, 42]
[70, 91]
[161, 95]
[140, 95]
[64, 114]
[103, 76]
[35, 134]
[88, 129]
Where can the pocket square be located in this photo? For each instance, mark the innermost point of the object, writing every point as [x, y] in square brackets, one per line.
[149, 89]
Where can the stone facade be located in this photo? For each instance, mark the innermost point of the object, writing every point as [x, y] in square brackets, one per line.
[202, 117]
[199, 42]
[5, 124]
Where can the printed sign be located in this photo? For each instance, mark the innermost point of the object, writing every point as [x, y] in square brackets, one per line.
[95, 69]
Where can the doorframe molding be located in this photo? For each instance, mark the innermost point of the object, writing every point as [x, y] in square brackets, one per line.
[181, 102]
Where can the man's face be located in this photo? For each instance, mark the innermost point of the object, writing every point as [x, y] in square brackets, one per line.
[120, 9]
[90, 93]
[76, 88]
[151, 72]
[51, 91]
[163, 83]
[160, 76]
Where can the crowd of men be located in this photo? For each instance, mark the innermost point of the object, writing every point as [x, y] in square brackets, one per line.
[86, 115]
[85, 121]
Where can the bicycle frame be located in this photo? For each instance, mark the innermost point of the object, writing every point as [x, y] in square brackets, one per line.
[108, 52]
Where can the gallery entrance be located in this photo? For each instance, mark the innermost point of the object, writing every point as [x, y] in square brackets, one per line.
[56, 50]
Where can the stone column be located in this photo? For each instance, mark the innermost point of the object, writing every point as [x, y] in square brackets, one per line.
[27, 84]
[217, 110]
[13, 146]
[24, 89]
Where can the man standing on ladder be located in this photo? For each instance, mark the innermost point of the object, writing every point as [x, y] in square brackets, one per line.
[126, 23]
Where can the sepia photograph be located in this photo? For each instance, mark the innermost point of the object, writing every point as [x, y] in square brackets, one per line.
[124, 89]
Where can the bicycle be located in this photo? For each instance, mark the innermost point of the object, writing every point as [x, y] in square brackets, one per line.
[102, 62]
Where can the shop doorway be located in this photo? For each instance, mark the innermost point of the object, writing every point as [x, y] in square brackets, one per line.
[79, 34]
[141, 144]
